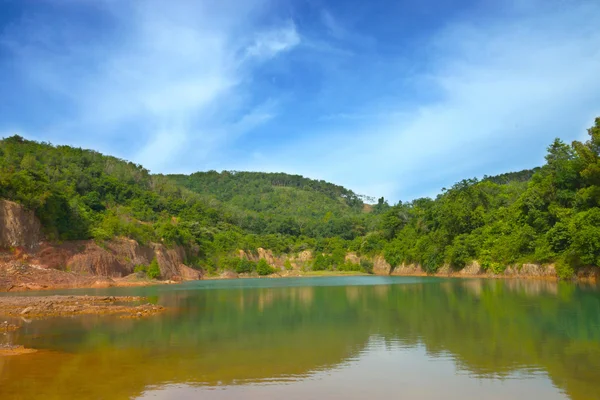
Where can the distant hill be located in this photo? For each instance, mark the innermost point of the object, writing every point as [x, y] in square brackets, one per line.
[82, 194]
[520, 176]
[227, 185]
[278, 202]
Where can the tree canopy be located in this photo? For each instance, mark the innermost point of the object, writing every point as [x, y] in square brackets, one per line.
[548, 214]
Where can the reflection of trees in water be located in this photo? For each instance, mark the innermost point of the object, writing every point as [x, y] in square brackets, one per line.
[490, 327]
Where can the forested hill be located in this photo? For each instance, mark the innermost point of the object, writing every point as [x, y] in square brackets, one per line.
[280, 203]
[229, 185]
[547, 215]
[521, 176]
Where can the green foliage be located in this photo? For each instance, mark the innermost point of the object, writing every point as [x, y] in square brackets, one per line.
[564, 270]
[393, 254]
[277, 203]
[321, 263]
[153, 271]
[348, 266]
[140, 269]
[288, 265]
[263, 268]
[548, 214]
[366, 266]
[543, 215]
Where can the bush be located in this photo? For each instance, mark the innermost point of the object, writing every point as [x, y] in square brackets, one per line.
[321, 263]
[140, 268]
[153, 270]
[263, 267]
[497, 268]
[348, 266]
[393, 254]
[564, 271]
[366, 266]
[245, 266]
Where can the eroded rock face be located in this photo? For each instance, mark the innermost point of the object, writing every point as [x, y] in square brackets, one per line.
[472, 269]
[264, 254]
[408, 269]
[531, 270]
[380, 266]
[352, 257]
[115, 259]
[19, 227]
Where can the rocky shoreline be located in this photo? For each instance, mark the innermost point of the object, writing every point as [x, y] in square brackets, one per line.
[34, 307]
[52, 306]
[17, 308]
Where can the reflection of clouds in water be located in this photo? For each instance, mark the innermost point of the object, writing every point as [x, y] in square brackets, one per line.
[248, 335]
[382, 370]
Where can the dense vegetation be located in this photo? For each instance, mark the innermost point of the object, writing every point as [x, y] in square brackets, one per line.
[549, 214]
[553, 217]
[274, 203]
[81, 194]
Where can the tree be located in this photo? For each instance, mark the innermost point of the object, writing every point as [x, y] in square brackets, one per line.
[153, 270]
[263, 267]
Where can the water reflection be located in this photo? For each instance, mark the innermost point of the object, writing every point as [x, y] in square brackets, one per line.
[513, 338]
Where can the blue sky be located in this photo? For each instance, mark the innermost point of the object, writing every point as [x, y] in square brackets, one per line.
[388, 98]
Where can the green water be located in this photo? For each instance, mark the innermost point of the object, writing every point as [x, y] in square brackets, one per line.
[326, 338]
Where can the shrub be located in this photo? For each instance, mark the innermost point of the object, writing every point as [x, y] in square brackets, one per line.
[245, 266]
[140, 268]
[153, 270]
[497, 268]
[366, 266]
[321, 263]
[564, 271]
[263, 267]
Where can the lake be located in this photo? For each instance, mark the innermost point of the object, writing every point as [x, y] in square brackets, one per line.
[327, 338]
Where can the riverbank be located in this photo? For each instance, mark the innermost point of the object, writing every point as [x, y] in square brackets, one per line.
[21, 277]
[283, 274]
[31, 307]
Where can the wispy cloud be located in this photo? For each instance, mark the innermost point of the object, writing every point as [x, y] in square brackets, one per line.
[334, 28]
[169, 72]
[502, 92]
[333, 95]
[270, 43]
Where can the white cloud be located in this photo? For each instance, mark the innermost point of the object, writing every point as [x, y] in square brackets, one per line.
[270, 43]
[171, 72]
[504, 90]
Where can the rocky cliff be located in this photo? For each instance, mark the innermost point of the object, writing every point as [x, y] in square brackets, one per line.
[18, 226]
[22, 245]
[116, 258]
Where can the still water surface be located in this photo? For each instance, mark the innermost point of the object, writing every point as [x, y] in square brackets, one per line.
[325, 338]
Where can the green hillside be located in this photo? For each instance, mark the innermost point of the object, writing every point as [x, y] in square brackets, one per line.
[282, 203]
[549, 214]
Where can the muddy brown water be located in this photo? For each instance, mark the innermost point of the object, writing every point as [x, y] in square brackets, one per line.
[327, 338]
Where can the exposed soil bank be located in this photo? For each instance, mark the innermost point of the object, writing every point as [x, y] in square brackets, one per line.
[474, 270]
[28, 262]
[51, 306]
[17, 276]
[283, 274]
